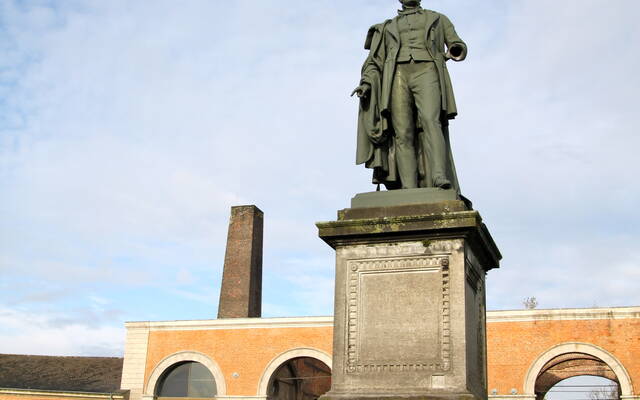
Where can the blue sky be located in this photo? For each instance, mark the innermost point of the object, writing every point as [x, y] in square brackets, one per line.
[128, 129]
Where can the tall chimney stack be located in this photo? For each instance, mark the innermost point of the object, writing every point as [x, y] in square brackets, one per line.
[241, 293]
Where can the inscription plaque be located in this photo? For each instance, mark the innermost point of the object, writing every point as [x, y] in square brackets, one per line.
[392, 304]
[398, 308]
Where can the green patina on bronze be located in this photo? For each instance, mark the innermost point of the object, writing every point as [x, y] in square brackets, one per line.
[407, 100]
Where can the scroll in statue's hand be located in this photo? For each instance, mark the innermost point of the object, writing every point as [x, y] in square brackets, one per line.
[362, 90]
[456, 53]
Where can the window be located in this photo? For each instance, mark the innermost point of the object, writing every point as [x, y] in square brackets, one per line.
[189, 379]
[302, 378]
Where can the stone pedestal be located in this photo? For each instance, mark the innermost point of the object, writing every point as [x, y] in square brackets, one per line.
[410, 301]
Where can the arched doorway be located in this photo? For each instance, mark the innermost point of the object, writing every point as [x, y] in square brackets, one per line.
[584, 387]
[300, 378]
[562, 368]
[570, 360]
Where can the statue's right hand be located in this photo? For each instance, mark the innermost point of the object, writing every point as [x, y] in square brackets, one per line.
[362, 90]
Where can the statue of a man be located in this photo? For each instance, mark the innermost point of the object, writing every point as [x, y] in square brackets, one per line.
[406, 100]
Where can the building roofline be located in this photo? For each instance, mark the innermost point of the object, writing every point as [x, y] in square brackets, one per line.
[54, 374]
[234, 323]
[558, 314]
[118, 394]
[56, 356]
[564, 314]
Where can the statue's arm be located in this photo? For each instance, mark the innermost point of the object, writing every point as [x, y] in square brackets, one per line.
[373, 64]
[456, 47]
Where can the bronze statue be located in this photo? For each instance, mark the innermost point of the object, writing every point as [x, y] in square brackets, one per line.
[406, 100]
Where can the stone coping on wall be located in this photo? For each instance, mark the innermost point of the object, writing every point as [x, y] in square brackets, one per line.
[560, 314]
[564, 314]
[234, 323]
[530, 397]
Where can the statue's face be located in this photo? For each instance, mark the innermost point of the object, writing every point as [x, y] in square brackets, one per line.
[410, 3]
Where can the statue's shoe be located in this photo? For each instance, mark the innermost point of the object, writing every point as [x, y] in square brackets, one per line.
[442, 183]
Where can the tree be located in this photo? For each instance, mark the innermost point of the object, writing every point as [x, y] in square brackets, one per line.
[530, 303]
[609, 392]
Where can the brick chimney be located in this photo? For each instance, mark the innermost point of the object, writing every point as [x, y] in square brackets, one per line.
[241, 293]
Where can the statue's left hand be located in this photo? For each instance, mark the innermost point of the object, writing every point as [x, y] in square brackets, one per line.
[456, 53]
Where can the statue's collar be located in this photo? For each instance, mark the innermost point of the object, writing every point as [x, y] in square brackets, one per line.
[408, 11]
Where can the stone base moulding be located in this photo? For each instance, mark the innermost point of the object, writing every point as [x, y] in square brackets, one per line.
[512, 397]
[223, 397]
[417, 396]
[409, 318]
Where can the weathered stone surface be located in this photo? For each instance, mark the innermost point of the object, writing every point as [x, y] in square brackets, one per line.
[446, 206]
[402, 197]
[461, 396]
[450, 219]
[241, 293]
[409, 318]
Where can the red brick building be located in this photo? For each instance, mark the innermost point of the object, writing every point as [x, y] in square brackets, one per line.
[528, 352]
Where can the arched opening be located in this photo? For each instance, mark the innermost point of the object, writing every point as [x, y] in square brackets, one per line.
[558, 378]
[188, 379]
[584, 387]
[571, 359]
[301, 378]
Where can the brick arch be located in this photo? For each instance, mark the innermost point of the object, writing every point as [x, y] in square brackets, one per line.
[596, 354]
[569, 365]
[182, 356]
[263, 384]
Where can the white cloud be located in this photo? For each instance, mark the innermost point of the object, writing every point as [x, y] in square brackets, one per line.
[24, 332]
[128, 130]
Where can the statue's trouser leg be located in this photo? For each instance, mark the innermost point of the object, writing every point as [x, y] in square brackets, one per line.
[425, 87]
[402, 104]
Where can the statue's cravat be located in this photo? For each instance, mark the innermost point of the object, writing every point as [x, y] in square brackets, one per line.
[409, 11]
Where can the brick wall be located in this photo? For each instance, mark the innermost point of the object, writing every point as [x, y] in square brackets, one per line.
[514, 344]
[244, 348]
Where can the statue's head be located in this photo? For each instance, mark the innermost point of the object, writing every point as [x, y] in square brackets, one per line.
[410, 3]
